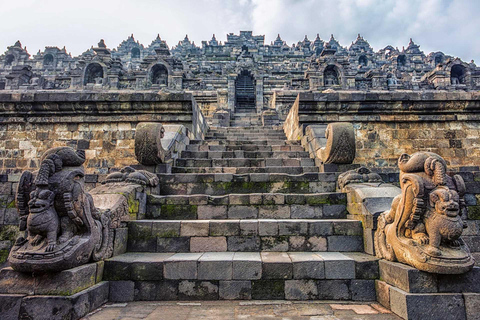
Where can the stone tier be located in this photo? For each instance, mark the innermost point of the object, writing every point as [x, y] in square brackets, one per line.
[245, 275]
[244, 162]
[243, 170]
[248, 206]
[247, 148]
[245, 235]
[223, 183]
[244, 154]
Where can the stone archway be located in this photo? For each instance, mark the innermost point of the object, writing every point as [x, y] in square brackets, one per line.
[159, 75]
[93, 73]
[245, 91]
[458, 74]
[48, 60]
[363, 61]
[331, 76]
[9, 59]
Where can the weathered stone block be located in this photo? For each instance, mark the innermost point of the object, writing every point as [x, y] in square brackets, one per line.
[167, 290]
[366, 266]
[181, 266]
[194, 228]
[15, 282]
[248, 227]
[472, 305]
[275, 243]
[206, 244]
[215, 266]
[235, 290]
[467, 282]
[224, 227]
[244, 243]
[338, 266]
[166, 229]
[345, 243]
[140, 238]
[247, 266]
[383, 293]
[10, 306]
[334, 290]
[122, 291]
[242, 212]
[212, 212]
[198, 290]
[267, 227]
[268, 289]
[67, 282]
[307, 265]
[148, 266]
[178, 244]
[427, 305]
[120, 241]
[276, 265]
[301, 290]
[363, 290]
[407, 278]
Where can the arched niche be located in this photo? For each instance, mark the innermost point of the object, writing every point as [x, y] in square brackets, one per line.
[363, 61]
[93, 73]
[159, 75]
[331, 76]
[47, 60]
[135, 53]
[402, 60]
[458, 74]
[9, 59]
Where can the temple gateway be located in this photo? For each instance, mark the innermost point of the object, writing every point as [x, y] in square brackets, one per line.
[239, 171]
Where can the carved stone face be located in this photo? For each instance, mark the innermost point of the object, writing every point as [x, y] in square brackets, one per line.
[41, 200]
[445, 201]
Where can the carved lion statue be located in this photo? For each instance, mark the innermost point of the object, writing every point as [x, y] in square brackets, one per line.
[424, 225]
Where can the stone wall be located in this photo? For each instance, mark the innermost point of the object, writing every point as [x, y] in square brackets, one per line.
[102, 124]
[388, 124]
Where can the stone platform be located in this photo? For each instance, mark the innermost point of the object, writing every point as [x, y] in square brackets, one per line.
[228, 310]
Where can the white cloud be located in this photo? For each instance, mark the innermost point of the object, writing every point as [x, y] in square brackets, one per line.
[437, 25]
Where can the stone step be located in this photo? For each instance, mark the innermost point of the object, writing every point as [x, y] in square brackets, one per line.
[242, 170]
[270, 139]
[249, 135]
[248, 206]
[244, 154]
[244, 275]
[244, 162]
[235, 235]
[246, 129]
[247, 142]
[225, 183]
[250, 148]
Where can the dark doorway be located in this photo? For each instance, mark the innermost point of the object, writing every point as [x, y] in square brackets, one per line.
[363, 61]
[245, 92]
[9, 59]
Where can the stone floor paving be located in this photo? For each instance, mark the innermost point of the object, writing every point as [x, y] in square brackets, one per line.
[226, 310]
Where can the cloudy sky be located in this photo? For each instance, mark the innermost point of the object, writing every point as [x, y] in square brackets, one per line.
[450, 26]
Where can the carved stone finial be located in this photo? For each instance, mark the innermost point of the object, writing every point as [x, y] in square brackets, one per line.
[148, 145]
[424, 225]
[340, 146]
[102, 44]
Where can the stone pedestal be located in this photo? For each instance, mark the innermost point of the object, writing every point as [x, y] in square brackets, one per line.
[414, 294]
[69, 294]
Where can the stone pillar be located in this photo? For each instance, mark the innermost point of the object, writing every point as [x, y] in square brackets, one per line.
[259, 93]
[231, 92]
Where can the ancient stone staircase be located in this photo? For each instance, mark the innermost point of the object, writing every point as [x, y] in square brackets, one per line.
[245, 214]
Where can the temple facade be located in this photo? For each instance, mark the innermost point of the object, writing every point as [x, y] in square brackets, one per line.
[243, 72]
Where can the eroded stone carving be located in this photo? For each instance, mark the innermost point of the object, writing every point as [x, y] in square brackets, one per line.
[130, 175]
[148, 145]
[424, 225]
[360, 175]
[61, 225]
[340, 146]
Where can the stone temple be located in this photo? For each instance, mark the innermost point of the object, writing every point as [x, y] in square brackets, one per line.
[239, 171]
